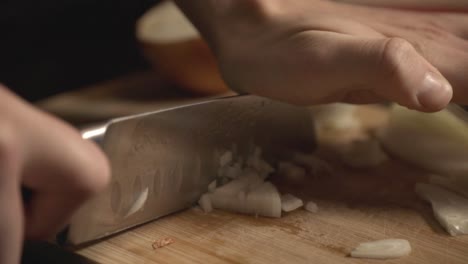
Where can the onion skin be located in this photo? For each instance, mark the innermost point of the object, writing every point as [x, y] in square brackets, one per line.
[311, 207]
[185, 59]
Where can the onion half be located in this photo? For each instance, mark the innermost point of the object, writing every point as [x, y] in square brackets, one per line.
[437, 142]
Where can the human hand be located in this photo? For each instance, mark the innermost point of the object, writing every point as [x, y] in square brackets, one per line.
[49, 158]
[448, 5]
[316, 51]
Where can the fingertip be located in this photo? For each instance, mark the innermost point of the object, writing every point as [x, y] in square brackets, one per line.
[98, 174]
[435, 92]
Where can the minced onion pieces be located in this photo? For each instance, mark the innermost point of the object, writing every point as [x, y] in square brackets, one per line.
[313, 164]
[205, 203]
[255, 161]
[264, 200]
[232, 171]
[212, 186]
[248, 195]
[363, 153]
[311, 207]
[291, 170]
[243, 189]
[225, 158]
[382, 249]
[450, 209]
[290, 202]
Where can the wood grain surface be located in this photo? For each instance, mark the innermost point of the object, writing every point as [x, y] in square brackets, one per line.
[354, 206]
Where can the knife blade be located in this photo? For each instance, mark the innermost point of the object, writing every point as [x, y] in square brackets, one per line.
[163, 161]
[459, 111]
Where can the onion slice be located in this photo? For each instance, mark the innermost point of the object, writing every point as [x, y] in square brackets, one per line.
[243, 189]
[248, 196]
[450, 209]
[205, 203]
[382, 249]
[264, 200]
[311, 207]
[290, 202]
[291, 171]
[225, 159]
[212, 186]
[313, 164]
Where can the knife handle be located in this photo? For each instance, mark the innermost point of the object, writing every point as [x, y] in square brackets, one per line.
[95, 133]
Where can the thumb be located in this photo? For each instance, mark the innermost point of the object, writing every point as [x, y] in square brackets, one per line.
[406, 77]
[392, 69]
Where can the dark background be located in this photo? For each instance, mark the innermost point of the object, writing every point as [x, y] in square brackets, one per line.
[49, 46]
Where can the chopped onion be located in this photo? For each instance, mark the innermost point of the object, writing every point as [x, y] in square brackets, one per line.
[264, 169]
[311, 207]
[249, 195]
[363, 153]
[264, 201]
[139, 203]
[212, 186]
[242, 189]
[437, 142]
[312, 163]
[222, 181]
[255, 161]
[450, 209]
[382, 249]
[205, 203]
[290, 202]
[291, 170]
[225, 159]
[227, 197]
[232, 171]
[241, 184]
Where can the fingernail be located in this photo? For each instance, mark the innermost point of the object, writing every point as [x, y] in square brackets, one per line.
[435, 92]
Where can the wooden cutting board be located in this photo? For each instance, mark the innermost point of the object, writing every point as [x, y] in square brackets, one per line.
[354, 206]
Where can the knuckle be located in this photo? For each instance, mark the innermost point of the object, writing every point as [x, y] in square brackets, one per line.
[395, 53]
[395, 50]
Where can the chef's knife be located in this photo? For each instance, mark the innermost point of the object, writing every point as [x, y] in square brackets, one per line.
[459, 111]
[163, 161]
